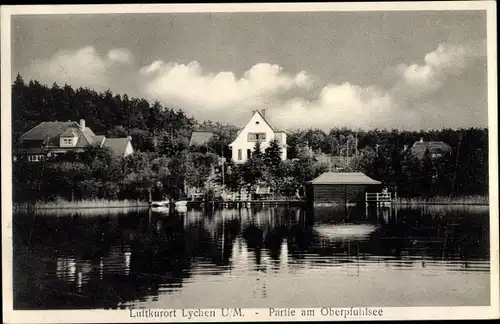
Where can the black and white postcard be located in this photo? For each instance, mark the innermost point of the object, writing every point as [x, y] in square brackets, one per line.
[249, 162]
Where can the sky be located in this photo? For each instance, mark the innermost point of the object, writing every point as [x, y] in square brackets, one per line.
[397, 69]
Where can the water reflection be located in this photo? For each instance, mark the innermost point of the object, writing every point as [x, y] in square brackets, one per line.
[141, 257]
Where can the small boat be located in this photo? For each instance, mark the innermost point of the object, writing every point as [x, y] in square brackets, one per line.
[160, 209]
[162, 203]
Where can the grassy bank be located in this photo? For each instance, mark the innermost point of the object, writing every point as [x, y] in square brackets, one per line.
[81, 204]
[466, 200]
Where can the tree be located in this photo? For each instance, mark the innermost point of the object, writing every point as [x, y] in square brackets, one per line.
[272, 154]
[257, 151]
[146, 171]
[199, 168]
[162, 132]
[365, 161]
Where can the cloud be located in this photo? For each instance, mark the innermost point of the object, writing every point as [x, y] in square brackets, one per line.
[120, 55]
[448, 60]
[222, 96]
[152, 68]
[81, 67]
[213, 95]
[339, 105]
[292, 99]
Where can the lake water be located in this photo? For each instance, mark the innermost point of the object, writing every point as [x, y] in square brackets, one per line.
[252, 257]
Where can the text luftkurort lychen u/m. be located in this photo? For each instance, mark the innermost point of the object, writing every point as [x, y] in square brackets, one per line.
[271, 312]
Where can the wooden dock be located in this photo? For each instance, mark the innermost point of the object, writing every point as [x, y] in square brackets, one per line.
[378, 198]
[247, 203]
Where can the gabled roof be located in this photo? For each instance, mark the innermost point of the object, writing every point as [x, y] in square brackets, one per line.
[344, 178]
[419, 148]
[116, 145]
[200, 138]
[88, 134]
[47, 130]
[274, 129]
[71, 132]
[98, 139]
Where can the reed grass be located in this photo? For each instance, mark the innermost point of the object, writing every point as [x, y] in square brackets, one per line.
[85, 212]
[445, 209]
[80, 204]
[465, 200]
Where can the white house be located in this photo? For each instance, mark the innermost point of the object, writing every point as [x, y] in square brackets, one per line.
[257, 129]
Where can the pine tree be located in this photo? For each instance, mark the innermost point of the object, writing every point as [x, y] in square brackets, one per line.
[257, 151]
[272, 154]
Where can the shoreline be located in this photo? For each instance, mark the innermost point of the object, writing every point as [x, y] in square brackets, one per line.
[83, 204]
[141, 205]
[438, 204]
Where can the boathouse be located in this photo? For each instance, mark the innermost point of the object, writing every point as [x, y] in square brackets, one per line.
[340, 187]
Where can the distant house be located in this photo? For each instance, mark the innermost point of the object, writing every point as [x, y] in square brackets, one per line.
[50, 139]
[437, 149]
[200, 138]
[258, 129]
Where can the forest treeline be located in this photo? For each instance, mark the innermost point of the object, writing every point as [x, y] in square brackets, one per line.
[163, 157]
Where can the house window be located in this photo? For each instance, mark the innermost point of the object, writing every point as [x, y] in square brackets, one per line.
[239, 155]
[254, 137]
[35, 158]
[67, 141]
[257, 122]
[249, 153]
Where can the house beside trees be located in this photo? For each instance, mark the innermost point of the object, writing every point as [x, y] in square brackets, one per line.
[52, 139]
[165, 152]
[257, 130]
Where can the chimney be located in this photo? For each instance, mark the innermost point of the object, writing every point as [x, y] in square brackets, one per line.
[82, 124]
[129, 138]
[421, 139]
[263, 112]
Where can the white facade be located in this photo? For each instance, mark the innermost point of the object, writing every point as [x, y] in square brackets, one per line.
[129, 149]
[257, 129]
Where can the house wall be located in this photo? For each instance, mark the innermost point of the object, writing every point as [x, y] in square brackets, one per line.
[129, 149]
[281, 137]
[336, 193]
[257, 124]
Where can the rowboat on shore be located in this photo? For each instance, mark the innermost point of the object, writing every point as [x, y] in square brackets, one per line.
[161, 203]
[160, 209]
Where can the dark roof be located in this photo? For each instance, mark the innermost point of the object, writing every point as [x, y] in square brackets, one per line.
[117, 145]
[50, 132]
[88, 134]
[69, 132]
[47, 130]
[98, 139]
[344, 178]
[419, 148]
[200, 138]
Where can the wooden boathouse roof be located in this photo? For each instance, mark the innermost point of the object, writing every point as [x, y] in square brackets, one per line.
[344, 178]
